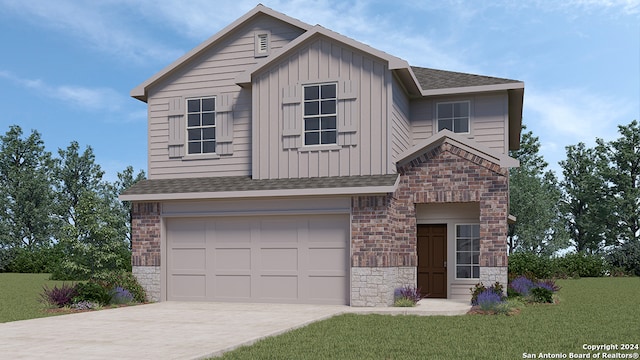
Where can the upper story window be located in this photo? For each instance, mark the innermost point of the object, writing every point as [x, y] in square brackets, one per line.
[201, 125]
[453, 116]
[468, 251]
[320, 114]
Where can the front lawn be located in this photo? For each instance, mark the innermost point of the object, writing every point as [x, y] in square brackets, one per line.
[591, 311]
[20, 295]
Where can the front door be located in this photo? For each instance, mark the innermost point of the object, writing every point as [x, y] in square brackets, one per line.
[432, 260]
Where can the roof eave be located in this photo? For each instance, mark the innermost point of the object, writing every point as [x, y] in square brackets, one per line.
[361, 190]
[140, 91]
[474, 89]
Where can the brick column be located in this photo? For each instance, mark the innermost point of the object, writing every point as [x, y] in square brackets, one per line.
[145, 246]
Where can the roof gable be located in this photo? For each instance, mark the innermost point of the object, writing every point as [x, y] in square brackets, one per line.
[446, 136]
[140, 91]
[311, 34]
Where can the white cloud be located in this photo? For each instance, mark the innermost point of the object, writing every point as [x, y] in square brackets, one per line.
[576, 114]
[102, 25]
[99, 98]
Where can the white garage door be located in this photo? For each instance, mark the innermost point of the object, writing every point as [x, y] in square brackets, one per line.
[289, 259]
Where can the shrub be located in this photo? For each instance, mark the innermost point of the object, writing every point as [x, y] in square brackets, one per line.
[522, 285]
[39, 259]
[123, 279]
[549, 285]
[541, 295]
[479, 288]
[531, 265]
[59, 296]
[626, 258]
[120, 295]
[408, 292]
[489, 300]
[580, 265]
[92, 292]
[404, 302]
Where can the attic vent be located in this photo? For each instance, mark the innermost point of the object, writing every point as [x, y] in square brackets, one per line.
[262, 44]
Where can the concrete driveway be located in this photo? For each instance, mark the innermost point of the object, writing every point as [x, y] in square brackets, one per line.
[174, 330]
[166, 330]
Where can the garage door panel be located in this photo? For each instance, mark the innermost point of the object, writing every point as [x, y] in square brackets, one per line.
[229, 259]
[278, 287]
[328, 289]
[188, 287]
[327, 259]
[232, 287]
[231, 231]
[278, 232]
[292, 258]
[279, 259]
[188, 259]
[182, 231]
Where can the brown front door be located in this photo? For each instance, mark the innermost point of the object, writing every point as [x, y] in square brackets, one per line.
[432, 260]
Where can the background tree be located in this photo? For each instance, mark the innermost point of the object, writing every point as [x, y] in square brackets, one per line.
[534, 197]
[622, 175]
[26, 196]
[126, 179]
[584, 203]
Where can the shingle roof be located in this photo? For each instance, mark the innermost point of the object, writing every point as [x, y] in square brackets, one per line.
[245, 183]
[431, 79]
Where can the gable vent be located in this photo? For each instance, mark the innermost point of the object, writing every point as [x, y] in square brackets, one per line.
[263, 43]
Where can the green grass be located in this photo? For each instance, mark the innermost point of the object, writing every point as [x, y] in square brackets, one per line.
[591, 311]
[20, 295]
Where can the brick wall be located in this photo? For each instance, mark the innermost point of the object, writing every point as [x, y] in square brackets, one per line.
[145, 237]
[383, 228]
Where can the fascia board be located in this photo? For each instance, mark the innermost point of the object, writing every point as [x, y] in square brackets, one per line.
[262, 193]
[473, 89]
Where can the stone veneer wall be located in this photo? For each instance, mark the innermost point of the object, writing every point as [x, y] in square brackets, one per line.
[145, 246]
[383, 227]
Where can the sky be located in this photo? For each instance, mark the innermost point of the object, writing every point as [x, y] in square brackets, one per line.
[67, 66]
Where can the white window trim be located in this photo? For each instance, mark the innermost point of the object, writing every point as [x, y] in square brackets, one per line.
[319, 147]
[455, 252]
[196, 156]
[437, 118]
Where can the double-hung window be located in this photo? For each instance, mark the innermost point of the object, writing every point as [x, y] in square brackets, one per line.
[468, 251]
[320, 114]
[453, 116]
[201, 125]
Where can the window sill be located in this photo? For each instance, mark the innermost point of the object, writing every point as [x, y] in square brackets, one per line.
[311, 148]
[211, 156]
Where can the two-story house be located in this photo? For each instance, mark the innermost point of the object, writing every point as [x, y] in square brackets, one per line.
[289, 163]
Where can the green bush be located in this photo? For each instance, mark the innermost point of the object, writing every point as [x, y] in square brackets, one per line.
[541, 295]
[580, 265]
[404, 302]
[626, 258]
[124, 279]
[92, 292]
[531, 266]
[33, 261]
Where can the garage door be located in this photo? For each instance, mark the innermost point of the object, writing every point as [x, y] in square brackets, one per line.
[289, 259]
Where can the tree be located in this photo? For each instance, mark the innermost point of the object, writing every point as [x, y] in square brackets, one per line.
[126, 179]
[584, 204]
[94, 236]
[534, 196]
[26, 196]
[622, 175]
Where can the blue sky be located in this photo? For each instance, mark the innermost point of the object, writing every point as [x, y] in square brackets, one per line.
[67, 66]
